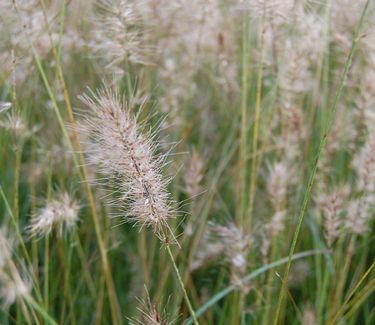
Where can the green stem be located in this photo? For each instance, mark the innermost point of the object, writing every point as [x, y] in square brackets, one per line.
[322, 144]
[46, 271]
[323, 296]
[244, 118]
[258, 102]
[40, 310]
[187, 300]
[220, 295]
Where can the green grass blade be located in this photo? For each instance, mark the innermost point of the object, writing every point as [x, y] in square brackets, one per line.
[250, 276]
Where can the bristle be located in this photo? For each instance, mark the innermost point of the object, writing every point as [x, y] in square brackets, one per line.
[118, 147]
[13, 283]
[60, 214]
[193, 175]
[333, 205]
[236, 245]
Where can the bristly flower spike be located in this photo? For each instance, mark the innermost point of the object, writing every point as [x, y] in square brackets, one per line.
[121, 148]
[60, 213]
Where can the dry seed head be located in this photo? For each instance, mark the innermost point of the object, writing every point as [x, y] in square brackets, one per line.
[341, 136]
[364, 165]
[22, 23]
[366, 100]
[332, 206]
[309, 315]
[6, 247]
[4, 106]
[118, 148]
[264, 242]
[236, 244]
[277, 183]
[275, 12]
[60, 213]
[13, 284]
[15, 124]
[293, 125]
[209, 251]
[358, 216]
[193, 35]
[193, 175]
[151, 314]
[276, 224]
[119, 32]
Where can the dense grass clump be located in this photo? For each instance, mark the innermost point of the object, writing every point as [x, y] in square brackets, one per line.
[187, 162]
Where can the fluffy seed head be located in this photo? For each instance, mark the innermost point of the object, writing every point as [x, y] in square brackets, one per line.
[209, 252]
[332, 206]
[193, 175]
[276, 224]
[151, 314]
[4, 106]
[364, 165]
[236, 244]
[6, 247]
[119, 148]
[309, 316]
[277, 183]
[13, 284]
[119, 32]
[358, 216]
[58, 213]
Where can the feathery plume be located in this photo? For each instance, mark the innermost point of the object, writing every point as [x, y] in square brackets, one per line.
[236, 244]
[119, 148]
[277, 183]
[358, 216]
[332, 206]
[364, 165]
[58, 213]
[276, 224]
[13, 284]
[22, 23]
[4, 106]
[119, 32]
[193, 175]
[209, 251]
[16, 124]
[309, 315]
[151, 314]
[6, 247]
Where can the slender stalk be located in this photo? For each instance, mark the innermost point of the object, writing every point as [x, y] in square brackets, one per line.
[68, 301]
[269, 284]
[244, 118]
[339, 312]
[344, 270]
[40, 310]
[21, 242]
[46, 261]
[187, 300]
[103, 252]
[258, 101]
[25, 313]
[322, 144]
[358, 300]
[18, 153]
[85, 267]
[223, 293]
[323, 296]
[46, 272]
